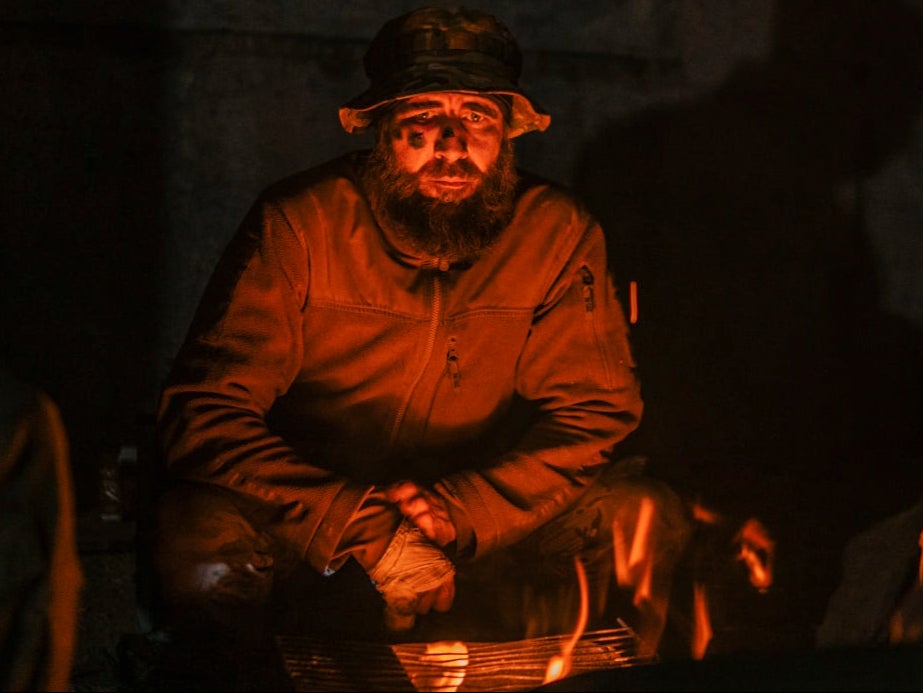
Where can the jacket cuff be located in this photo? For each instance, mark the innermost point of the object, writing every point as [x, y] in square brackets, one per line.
[476, 531]
[326, 539]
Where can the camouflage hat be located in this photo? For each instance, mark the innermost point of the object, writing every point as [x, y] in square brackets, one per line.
[438, 49]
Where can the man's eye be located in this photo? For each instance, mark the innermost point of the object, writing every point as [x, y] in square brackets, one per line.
[422, 117]
[475, 117]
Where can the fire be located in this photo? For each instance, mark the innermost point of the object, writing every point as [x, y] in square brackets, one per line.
[702, 514]
[640, 543]
[906, 623]
[633, 302]
[756, 551]
[920, 571]
[441, 668]
[634, 566]
[701, 630]
[559, 665]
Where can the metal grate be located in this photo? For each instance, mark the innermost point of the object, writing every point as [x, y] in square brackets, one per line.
[316, 664]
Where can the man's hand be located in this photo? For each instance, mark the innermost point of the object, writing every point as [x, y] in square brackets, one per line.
[413, 576]
[425, 509]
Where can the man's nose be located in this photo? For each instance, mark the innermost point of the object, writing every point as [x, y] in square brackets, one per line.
[451, 144]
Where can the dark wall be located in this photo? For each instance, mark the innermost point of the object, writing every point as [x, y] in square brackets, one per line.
[764, 329]
[84, 221]
[756, 165]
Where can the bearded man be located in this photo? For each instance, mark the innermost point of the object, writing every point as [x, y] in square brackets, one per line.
[398, 408]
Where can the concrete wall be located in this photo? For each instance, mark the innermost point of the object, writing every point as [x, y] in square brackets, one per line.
[137, 134]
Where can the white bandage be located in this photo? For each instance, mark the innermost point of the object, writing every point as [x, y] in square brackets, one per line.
[410, 566]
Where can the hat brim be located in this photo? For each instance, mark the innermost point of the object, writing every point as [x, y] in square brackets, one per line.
[526, 115]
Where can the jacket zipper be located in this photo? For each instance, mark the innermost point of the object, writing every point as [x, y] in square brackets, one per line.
[452, 367]
[435, 316]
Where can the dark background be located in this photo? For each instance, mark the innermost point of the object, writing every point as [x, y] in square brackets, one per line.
[757, 166]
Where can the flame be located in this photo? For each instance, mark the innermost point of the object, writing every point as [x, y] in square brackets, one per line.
[441, 668]
[706, 515]
[756, 551]
[559, 665]
[920, 574]
[627, 563]
[635, 569]
[701, 628]
[633, 302]
[639, 546]
[906, 622]
[620, 556]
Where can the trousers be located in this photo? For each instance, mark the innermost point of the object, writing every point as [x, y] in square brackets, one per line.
[613, 554]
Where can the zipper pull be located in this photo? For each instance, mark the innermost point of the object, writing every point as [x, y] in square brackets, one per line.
[589, 302]
[452, 364]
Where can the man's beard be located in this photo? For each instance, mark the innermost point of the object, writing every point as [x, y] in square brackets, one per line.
[459, 230]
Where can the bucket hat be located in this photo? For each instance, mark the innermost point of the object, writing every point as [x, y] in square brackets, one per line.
[441, 49]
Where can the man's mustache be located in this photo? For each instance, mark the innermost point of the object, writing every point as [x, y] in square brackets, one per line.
[461, 168]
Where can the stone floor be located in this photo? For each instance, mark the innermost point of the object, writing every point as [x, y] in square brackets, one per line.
[108, 605]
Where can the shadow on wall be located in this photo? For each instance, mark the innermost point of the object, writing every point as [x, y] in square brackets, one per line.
[774, 382]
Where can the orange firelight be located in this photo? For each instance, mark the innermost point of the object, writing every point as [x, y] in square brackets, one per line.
[633, 302]
[559, 665]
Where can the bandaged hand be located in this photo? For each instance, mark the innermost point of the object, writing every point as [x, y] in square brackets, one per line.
[413, 577]
[426, 509]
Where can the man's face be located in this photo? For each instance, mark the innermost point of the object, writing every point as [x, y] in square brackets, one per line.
[446, 141]
[442, 174]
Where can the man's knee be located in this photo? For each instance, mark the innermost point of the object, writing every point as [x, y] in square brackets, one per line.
[204, 549]
[648, 515]
[628, 513]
